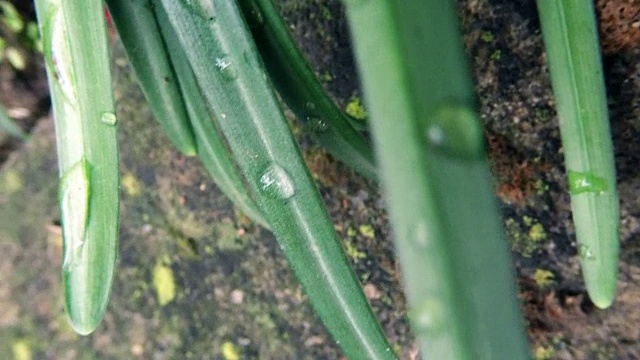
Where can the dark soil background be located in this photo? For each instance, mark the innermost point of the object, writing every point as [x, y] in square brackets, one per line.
[197, 280]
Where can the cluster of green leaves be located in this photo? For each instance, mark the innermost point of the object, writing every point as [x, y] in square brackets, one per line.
[208, 68]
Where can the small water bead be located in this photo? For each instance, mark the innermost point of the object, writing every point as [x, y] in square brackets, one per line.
[585, 252]
[317, 125]
[429, 317]
[225, 67]
[586, 182]
[436, 135]
[276, 182]
[455, 130]
[421, 235]
[109, 118]
[74, 206]
[202, 8]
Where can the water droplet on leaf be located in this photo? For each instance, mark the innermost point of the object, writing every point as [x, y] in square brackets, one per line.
[225, 67]
[276, 182]
[436, 135]
[421, 235]
[74, 207]
[429, 317]
[586, 182]
[585, 252]
[109, 118]
[455, 130]
[317, 125]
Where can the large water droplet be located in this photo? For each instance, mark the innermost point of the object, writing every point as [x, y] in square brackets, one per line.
[109, 118]
[74, 208]
[455, 130]
[60, 57]
[586, 182]
[203, 8]
[276, 182]
[585, 252]
[429, 317]
[225, 67]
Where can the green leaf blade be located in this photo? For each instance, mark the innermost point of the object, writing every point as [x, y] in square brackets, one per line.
[259, 137]
[211, 149]
[571, 40]
[303, 93]
[78, 67]
[455, 263]
[145, 48]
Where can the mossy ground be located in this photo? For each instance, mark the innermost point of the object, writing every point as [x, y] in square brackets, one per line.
[227, 291]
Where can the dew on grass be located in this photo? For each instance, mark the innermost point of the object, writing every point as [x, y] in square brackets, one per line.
[277, 183]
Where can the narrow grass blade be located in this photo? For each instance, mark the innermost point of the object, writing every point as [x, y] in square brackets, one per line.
[301, 90]
[142, 40]
[77, 60]
[9, 126]
[455, 262]
[211, 147]
[571, 40]
[215, 38]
